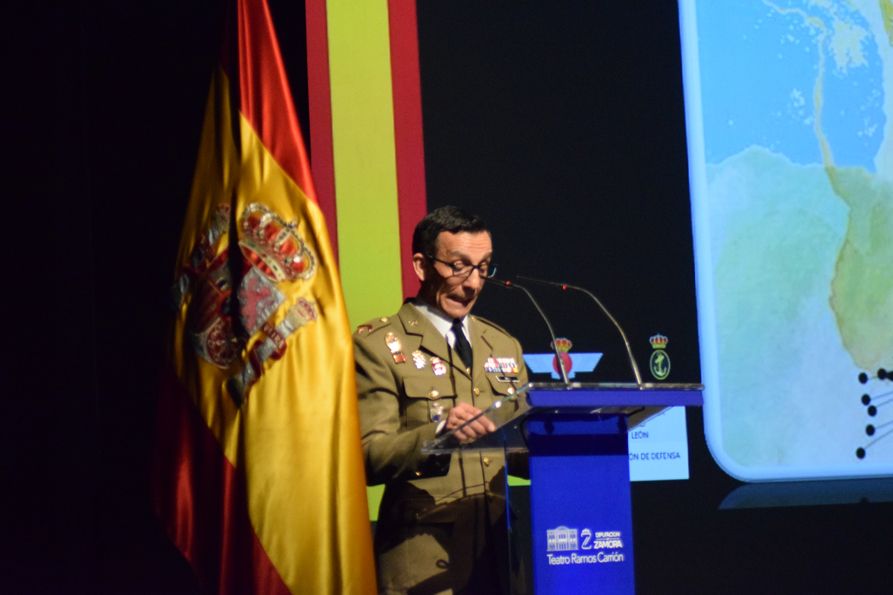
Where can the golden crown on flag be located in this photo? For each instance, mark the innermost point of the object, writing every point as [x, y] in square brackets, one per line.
[273, 245]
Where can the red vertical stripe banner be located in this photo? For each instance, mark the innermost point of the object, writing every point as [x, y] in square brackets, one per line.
[408, 135]
[320, 104]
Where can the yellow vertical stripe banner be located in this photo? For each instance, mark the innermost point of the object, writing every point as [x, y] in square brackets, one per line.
[363, 147]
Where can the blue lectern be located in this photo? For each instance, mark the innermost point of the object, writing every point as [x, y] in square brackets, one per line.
[580, 508]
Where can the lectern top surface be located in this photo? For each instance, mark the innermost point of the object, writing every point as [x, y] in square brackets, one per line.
[649, 386]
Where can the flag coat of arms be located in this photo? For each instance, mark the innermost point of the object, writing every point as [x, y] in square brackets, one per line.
[259, 476]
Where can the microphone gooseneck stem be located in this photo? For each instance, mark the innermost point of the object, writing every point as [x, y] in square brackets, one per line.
[598, 302]
[510, 285]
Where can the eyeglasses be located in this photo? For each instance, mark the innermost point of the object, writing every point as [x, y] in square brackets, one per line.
[462, 269]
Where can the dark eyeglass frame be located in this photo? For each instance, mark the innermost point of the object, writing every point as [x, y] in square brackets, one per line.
[486, 269]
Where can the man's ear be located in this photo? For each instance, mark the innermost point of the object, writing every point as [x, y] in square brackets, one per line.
[418, 265]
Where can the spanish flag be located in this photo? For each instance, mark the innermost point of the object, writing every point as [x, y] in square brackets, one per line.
[259, 477]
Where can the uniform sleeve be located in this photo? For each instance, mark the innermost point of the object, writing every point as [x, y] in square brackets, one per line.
[391, 451]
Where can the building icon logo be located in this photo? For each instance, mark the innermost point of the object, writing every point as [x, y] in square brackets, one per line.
[562, 539]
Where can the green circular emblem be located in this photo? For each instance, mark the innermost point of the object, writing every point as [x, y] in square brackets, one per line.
[659, 364]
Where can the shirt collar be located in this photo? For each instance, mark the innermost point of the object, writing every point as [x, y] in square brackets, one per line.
[441, 321]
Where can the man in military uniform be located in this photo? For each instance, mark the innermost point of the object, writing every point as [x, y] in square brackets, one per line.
[424, 371]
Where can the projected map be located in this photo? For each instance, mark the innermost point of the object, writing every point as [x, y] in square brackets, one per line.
[789, 106]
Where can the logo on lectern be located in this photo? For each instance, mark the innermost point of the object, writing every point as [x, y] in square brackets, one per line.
[561, 539]
[547, 363]
[659, 363]
[595, 547]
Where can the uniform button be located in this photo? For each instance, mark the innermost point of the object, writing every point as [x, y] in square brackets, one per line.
[476, 391]
[418, 473]
[383, 319]
[511, 390]
[486, 461]
[433, 394]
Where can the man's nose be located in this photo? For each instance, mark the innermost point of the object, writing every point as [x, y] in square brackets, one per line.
[475, 280]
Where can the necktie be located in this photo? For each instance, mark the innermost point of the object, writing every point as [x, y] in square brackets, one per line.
[461, 344]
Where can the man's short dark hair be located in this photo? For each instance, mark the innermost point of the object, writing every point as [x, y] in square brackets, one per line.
[448, 218]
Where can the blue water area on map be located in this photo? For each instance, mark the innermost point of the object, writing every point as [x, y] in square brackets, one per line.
[758, 74]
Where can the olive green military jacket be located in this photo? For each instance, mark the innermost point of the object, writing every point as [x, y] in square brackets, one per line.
[407, 380]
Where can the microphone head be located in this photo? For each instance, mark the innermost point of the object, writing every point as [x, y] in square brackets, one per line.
[501, 282]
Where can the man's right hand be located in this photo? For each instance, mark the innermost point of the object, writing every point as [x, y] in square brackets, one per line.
[460, 414]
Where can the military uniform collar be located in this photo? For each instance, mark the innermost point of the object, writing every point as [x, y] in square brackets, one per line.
[415, 322]
[440, 321]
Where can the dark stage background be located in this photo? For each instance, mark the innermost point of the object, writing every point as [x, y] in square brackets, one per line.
[560, 122]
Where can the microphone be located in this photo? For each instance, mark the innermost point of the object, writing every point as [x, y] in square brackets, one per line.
[565, 287]
[510, 285]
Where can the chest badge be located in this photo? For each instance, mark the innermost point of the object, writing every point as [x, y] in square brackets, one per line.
[506, 366]
[395, 348]
[439, 366]
[419, 359]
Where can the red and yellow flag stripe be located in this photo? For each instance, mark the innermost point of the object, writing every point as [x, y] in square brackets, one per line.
[366, 124]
